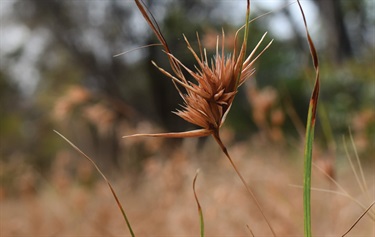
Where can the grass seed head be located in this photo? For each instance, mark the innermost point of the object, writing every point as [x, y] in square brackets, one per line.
[207, 102]
[209, 99]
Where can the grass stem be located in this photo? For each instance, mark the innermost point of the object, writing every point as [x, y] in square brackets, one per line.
[105, 179]
[310, 128]
[248, 189]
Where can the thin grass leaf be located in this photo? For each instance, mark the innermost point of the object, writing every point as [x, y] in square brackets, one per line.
[192, 133]
[131, 50]
[343, 194]
[359, 218]
[361, 181]
[105, 179]
[310, 128]
[201, 219]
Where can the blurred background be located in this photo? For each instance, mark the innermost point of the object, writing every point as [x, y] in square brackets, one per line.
[58, 72]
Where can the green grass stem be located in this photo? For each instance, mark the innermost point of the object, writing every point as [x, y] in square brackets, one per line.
[200, 212]
[309, 137]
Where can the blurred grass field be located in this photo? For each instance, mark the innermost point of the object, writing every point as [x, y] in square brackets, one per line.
[159, 200]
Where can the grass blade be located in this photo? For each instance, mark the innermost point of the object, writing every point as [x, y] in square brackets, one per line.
[307, 167]
[105, 179]
[201, 219]
[310, 128]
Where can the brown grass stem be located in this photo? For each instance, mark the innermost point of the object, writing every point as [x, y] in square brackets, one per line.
[359, 218]
[251, 232]
[248, 189]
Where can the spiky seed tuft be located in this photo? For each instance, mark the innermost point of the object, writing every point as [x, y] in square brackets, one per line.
[209, 99]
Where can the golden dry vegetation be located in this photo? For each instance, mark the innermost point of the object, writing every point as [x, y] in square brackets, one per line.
[74, 201]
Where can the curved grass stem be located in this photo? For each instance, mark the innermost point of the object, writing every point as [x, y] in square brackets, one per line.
[105, 179]
[248, 189]
[200, 212]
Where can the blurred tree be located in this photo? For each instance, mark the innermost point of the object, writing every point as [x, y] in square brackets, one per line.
[10, 120]
[68, 43]
[79, 41]
[338, 43]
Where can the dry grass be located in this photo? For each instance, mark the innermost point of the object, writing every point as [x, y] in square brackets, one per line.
[160, 200]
